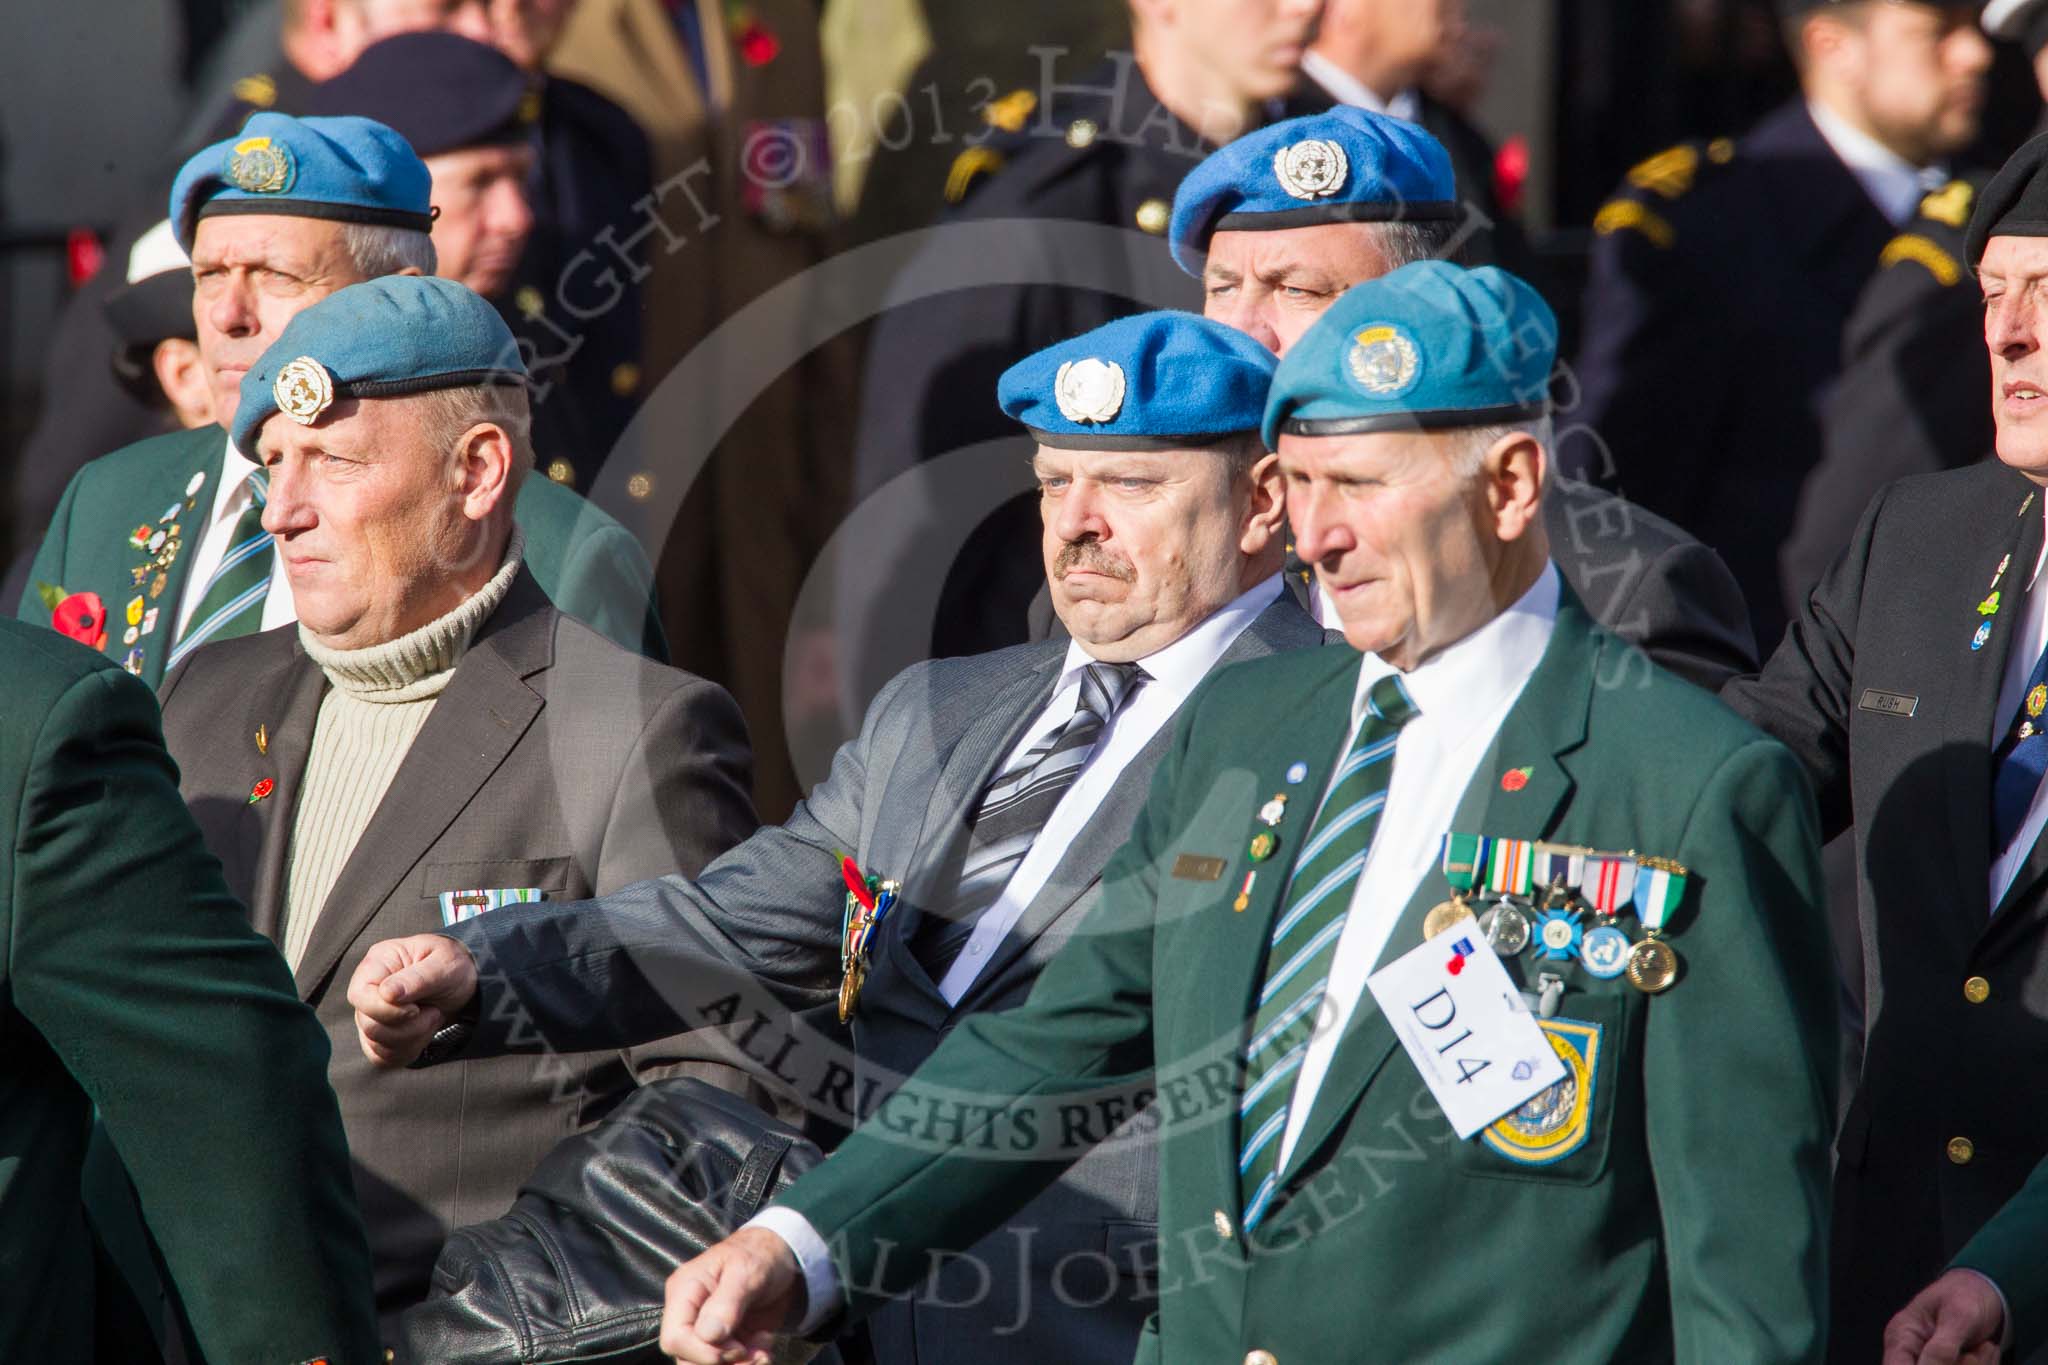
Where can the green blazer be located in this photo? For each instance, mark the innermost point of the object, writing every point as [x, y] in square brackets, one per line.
[2013, 1250]
[1683, 1217]
[130, 980]
[590, 566]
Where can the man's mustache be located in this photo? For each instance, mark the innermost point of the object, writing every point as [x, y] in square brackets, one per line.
[1089, 555]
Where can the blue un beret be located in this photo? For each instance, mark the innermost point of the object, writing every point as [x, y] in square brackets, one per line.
[385, 338]
[1155, 381]
[441, 92]
[353, 170]
[1431, 345]
[1345, 166]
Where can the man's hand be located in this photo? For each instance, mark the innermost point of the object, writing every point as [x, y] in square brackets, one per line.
[1957, 1320]
[726, 1306]
[407, 989]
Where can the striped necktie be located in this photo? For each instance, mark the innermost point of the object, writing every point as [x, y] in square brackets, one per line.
[1014, 809]
[232, 602]
[1304, 940]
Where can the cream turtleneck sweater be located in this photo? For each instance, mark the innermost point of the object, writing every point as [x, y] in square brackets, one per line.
[377, 700]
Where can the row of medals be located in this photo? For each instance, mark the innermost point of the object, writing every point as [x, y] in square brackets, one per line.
[1605, 951]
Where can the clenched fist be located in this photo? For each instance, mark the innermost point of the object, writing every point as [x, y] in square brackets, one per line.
[726, 1306]
[405, 990]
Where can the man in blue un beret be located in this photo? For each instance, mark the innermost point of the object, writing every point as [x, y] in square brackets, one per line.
[1647, 869]
[433, 739]
[988, 793]
[165, 535]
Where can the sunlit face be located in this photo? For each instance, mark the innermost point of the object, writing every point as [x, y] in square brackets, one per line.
[2014, 276]
[1402, 36]
[253, 273]
[1252, 46]
[377, 526]
[1140, 546]
[485, 217]
[1403, 539]
[1917, 71]
[1272, 285]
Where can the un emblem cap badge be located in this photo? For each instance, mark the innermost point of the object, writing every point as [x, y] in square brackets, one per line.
[261, 165]
[1384, 360]
[1089, 390]
[1313, 168]
[303, 390]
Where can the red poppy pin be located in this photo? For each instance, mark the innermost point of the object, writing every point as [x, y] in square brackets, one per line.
[758, 44]
[263, 788]
[850, 873]
[1514, 779]
[80, 616]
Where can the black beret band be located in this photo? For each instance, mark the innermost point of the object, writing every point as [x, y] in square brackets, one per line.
[1442, 419]
[427, 383]
[320, 208]
[1075, 440]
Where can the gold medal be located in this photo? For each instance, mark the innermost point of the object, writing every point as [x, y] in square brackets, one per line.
[1652, 966]
[1445, 916]
[849, 987]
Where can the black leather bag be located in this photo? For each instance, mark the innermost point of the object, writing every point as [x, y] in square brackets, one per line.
[575, 1271]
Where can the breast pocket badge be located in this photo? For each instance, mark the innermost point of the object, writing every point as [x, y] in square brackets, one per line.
[1553, 1124]
[457, 906]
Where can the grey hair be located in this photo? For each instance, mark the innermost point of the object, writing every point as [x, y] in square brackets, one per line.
[1472, 443]
[378, 250]
[447, 414]
[1405, 243]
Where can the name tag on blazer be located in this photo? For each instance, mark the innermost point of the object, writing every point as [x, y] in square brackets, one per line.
[457, 906]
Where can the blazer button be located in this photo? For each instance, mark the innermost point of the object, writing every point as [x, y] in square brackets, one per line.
[1222, 1221]
[1261, 1358]
[1976, 990]
[1962, 1151]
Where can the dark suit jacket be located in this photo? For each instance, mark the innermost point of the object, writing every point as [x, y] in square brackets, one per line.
[1878, 692]
[1720, 280]
[1914, 395]
[898, 799]
[1681, 1224]
[130, 983]
[554, 759]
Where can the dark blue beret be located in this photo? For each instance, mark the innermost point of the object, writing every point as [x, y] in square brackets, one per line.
[384, 338]
[441, 92]
[352, 170]
[1155, 381]
[1431, 345]
[1347, 165]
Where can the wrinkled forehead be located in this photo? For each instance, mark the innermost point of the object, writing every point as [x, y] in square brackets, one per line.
[267, 241]
[348, 426]
[2012, 257]
[1104, 465]
[1340, 254]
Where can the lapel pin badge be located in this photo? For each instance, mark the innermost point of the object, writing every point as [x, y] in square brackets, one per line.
[263, 788]
[1297, 774]
[1244, 895]
[262, 740]
[1514, 779]
[1983, 634]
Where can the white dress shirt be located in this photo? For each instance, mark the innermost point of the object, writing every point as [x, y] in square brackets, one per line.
[1171, 674]
[231, 498]
[1893, 183]
[2032, 634]
[1346, 88]
[1462, 694]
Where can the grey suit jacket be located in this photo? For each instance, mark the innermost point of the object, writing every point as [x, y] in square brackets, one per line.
[554, 759]
[1070, 1279]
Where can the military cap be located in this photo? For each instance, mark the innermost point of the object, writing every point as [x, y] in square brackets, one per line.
[439, 91]
[2023, 21]
[351, 170]
[384, 338]
[2015, 203]
[1348, 165]
[155, 303]
[1155, 381]
[1430, 346]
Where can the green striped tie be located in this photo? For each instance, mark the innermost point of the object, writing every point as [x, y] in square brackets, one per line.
[1304, 940]
[232, 603]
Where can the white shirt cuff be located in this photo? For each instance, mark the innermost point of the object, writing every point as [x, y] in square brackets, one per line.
[2004, 1308]
[813, 1257]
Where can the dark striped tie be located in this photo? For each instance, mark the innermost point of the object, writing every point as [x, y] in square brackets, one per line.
[231, 604]
[1304, 940]
[1014, 809]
